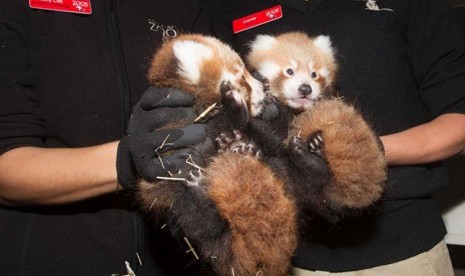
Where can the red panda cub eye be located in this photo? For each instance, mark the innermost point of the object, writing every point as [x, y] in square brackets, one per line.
[289, 72]
[314, 75]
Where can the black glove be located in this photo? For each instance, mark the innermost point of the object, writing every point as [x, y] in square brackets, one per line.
[142, 153]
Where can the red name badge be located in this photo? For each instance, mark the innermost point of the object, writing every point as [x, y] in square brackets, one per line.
[74, 6]
[257, 19]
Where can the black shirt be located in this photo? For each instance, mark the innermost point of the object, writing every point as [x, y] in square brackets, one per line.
[69, 80]
[402, 66]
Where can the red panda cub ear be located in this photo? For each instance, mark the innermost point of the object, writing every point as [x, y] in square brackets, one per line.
[258, 58]
[190, 57]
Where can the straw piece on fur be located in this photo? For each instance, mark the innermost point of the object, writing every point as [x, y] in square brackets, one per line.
[191, 249]
[205, 113]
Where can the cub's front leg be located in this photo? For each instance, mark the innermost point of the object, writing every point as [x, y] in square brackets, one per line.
[309, 174]
[235, 107]
[351, 149]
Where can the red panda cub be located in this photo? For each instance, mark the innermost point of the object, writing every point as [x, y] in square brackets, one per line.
[237, 221]
[335, 160]
[200, 65]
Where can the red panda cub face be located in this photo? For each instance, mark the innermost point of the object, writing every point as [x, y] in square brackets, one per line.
[299, 68]
[200, 65]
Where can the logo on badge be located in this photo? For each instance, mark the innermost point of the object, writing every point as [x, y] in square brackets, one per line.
[80, 5]
[273, 13]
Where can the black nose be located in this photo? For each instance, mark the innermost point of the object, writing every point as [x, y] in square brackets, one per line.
[305, 89]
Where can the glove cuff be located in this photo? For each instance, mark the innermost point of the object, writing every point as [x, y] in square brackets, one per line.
[126, 172]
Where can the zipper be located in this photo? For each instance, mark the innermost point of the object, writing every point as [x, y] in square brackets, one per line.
[125, 112]
[124, 94]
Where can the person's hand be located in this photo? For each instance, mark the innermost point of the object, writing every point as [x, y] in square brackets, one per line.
[144, 151]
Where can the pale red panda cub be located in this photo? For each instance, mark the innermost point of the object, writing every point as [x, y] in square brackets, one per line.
[299, 68]
[335, 160]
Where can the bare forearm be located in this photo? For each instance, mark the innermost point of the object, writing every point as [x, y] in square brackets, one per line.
[31, 175]
[437, 140]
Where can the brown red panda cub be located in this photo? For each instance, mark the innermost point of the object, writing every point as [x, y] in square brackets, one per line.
[239, 222]
[199, 65]
[335, 162]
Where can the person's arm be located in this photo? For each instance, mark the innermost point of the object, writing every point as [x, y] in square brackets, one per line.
[438, 65]
[437, 140]
[36, 176]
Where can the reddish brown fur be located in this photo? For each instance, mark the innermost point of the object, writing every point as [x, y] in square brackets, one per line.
[261, 216]
[156, 197]
[352, 149]
[165, 71]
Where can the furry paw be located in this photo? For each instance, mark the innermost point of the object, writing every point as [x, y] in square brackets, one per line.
[233, 102]
[231, 95]
[297, 145]
[236, 143]
[248, 148]
[315, 144]
[226, 141]
[194, 178]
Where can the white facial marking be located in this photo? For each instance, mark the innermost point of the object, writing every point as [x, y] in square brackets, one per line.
[227, 76]
[293, 97]
[324, 72]
[294, 63]
[311, 65]
[269, 69]
[190, 55]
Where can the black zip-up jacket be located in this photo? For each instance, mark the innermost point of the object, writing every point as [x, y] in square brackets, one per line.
[69, 80]
[401, 65]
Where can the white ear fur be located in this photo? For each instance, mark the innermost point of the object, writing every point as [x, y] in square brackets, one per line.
[263, 42]
[324, 43]
[190, 55]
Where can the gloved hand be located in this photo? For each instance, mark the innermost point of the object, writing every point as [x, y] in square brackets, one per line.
[142, 153]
